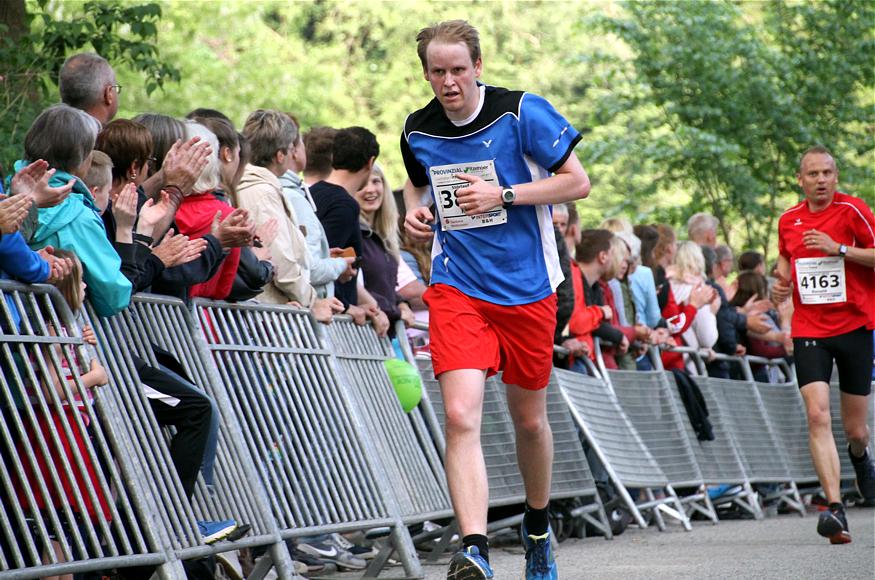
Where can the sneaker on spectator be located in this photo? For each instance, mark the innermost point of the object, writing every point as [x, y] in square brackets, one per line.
[306, 563]
[540, 564]
[324, 548]
[865, 470]
[215, 531]
[363, 552]
[833, 524]
[468, 564]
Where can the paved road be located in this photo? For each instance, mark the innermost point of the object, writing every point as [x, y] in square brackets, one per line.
[779, 548]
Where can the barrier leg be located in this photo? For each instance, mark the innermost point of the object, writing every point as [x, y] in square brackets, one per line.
[793, 499]
[172, 570]
[660, 523]
[443, 543]
[709, 506]
[403, 544]
[707, 509]
[282, 560]
[682, 515]
[749, 501]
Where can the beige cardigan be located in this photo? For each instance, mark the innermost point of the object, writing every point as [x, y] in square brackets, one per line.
[260, 193]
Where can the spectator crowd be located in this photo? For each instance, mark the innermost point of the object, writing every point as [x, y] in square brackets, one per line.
[105, 208]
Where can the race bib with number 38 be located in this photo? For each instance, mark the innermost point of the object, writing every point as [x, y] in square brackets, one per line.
[445, 184]
[821, 280]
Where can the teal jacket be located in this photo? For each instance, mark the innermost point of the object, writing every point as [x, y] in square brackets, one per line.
[75, 225]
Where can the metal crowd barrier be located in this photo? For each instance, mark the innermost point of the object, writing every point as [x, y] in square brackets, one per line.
[619, 448]
[166, 323]
[403, 440]
[647, 399]
[74, 497]
[305, 424]
[571, 474]
[762, 451]
[785, 410]
[847, 474]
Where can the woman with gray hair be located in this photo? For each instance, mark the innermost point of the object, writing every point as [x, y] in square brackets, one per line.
[64, 137]
[200, 211]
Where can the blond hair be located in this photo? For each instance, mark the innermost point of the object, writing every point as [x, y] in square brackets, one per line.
[386, 217]
[100, 172]
[450, 32]
[617, 253]
[689, 262]
[70, 286]
[616, 225]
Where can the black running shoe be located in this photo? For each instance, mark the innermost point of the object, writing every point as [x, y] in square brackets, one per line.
[833, 524]
[865, 469]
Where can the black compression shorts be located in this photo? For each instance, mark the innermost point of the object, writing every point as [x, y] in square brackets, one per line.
[852, 353]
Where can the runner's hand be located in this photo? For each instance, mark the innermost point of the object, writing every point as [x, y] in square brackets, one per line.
[780, 291]
[416, 224]
[815, 240]
[479, 196]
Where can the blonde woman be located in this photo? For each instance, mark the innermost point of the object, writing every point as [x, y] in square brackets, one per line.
[378, 218]
[687, 276]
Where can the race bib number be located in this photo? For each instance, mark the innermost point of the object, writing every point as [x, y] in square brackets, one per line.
[821, 280]
[445, 184]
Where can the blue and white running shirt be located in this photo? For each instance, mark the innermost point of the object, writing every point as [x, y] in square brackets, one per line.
[527, 139]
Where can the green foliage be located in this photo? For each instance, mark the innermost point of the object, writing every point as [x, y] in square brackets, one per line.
[723, 101]
[355, 63]
[685, 106]
[122, 33]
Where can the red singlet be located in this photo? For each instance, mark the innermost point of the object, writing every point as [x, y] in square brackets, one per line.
[847, 220]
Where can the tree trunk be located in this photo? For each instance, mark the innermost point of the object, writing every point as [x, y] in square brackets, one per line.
[14, 16]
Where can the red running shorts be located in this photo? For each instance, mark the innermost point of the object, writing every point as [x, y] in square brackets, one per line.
[468, 333]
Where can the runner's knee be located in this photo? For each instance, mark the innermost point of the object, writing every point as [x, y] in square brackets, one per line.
[858, 434]
[819, 418]
[461, 419]
[531, 424]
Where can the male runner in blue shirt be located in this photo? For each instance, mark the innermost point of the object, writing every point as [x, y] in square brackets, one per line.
[494, 160]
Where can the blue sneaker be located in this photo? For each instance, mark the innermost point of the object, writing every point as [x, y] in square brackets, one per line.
[468, 564]
[215, 531]
[540, 564]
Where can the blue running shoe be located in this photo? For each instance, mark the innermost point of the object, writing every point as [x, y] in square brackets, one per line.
[468, 564]
[540, 564]
[215, 531]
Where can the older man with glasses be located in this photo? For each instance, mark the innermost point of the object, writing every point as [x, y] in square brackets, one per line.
[87, 82]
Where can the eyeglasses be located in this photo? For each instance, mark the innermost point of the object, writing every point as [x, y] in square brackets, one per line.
[118, 88]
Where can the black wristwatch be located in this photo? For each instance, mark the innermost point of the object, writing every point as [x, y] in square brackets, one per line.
[508, 196]
[843, 249]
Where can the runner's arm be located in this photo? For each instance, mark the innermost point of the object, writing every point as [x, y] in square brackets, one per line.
[568, 183]
[822, 241]
[413, 195]
[864, 256]
[781, 289]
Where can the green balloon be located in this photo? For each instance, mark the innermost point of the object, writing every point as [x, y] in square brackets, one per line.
[405, 379]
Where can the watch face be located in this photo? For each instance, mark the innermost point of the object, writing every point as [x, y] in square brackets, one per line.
[508, 195]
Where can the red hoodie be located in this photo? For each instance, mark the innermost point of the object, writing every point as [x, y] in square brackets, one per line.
[195, 219]
[584, 319]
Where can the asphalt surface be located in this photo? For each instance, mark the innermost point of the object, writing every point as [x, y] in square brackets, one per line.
[778, 548]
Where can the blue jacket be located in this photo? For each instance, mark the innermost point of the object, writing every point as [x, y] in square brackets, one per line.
[75, 225]
[18, 262]
[644, 295]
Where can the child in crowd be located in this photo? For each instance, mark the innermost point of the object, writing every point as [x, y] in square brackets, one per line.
[73, 409]
[99, 179]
